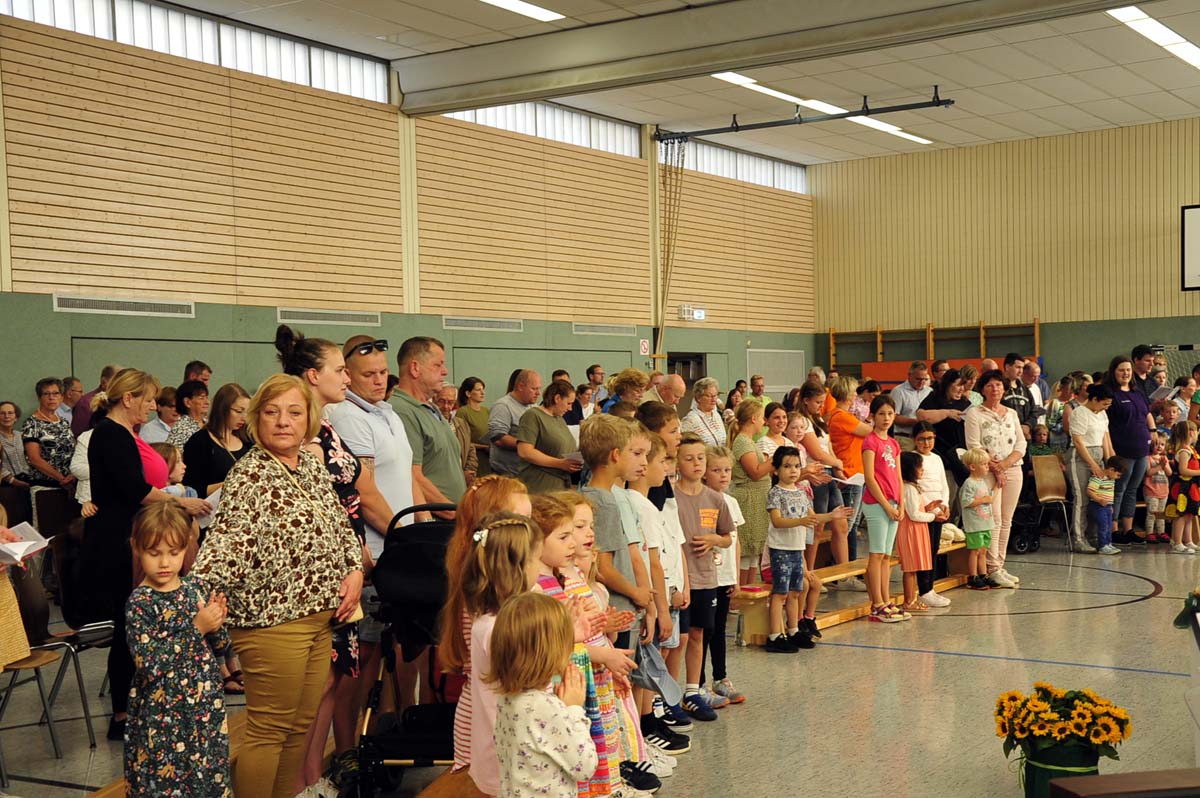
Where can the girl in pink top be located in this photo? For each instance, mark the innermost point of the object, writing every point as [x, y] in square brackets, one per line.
[882, 507]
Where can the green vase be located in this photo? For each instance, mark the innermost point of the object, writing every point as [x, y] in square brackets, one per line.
[1056, 762]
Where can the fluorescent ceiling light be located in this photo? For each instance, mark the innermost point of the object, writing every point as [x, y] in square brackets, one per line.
[1127, 14]
[776, 94]
[1186, 52]
[734, 78]
[526, 9]
[867, 121]
[910, 137]
[823, 107]
[1156, 32]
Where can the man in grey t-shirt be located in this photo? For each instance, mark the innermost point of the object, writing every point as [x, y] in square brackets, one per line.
[506, 416]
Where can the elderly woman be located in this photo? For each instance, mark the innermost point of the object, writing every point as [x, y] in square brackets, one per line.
[995, 428]
[47, 437]
[282, 549]
[212, 451]
[1090, 446]
[1129, 426]
[14, 468]
[704, 419]
[627, 385]
[121, 485]
[471, 394]
[543, 441]
[191, 403]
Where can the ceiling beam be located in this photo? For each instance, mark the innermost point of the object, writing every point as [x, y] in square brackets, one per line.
[698, 41]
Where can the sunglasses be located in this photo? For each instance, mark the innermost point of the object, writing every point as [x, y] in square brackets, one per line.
[365, 348]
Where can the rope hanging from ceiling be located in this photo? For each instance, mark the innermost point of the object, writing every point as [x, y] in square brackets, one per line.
[670, 176]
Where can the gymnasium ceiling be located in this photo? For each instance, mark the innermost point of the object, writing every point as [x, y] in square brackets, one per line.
[1015, 68]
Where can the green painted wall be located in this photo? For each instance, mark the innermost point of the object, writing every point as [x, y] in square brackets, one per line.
[238, 342]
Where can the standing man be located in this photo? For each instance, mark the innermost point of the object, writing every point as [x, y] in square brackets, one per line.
[757, 386]
[669, 391]
[908, 396]
[197, 370]
[1031, 378]
[1143, 362]
[1016, 396]
[72, 391]
[936, 370]
[436, 457]
[595, 375]
[81, 414]
[506, 415]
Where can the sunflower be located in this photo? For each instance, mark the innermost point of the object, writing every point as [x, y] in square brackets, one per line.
[1118, 713]
[1081, 714]
[1059, 695]
[1051, 716]
[1041, 728]
[1020, 732]
[1128, 730]
[1078, 727]
[1037, 705]
[1097, 735]
[1061, 730]
[1002, 727]
[1112, 732]
[1045, 687]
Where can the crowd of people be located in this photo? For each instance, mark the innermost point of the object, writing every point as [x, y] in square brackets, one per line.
[601, 530]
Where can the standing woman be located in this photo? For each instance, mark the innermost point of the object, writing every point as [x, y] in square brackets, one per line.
[191, 403]
[48, 440]
[543, 441]
[283, 551]
[815, 440]
[471, 394]
[1129, 425]
[750, 485]
[120, 487]
[945, 408]
[627, 386]
[846, 434]
[704, 419]
[994, 427]
[1090, 447]
[14, 468]
[212, 451]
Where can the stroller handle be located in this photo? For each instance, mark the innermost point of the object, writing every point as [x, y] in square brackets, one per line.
[435, 507]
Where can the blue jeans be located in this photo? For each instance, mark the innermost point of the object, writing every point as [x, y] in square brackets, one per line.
[852, 497]
[1101, 516]
[1125, 493]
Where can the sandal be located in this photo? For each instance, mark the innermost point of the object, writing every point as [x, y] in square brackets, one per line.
[916, 605]
[233, 684]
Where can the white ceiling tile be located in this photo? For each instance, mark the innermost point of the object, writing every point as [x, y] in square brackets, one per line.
[816, 88]
[1090, 21]
[607, 15]
[575, 8]
[449, 20]
[769, 74]
[858, 82]
[655, 7]
[1025, 33]
[951, 134]
[870, 58]
[820, 66]
[1010, 62]
[528, 28]
[1163, 105]
[1168, 73]
[960, 71]
[1031, 124]
[1019, 95]
[1168, 8]
[484, 38]
[1066, 88]
[1120, 44]
[1190, 95]
[1116, 81]
[908, 75]
[918, 50]
[970, 41]
[1064, 53]
[1186, 25]
[989, 130]
[1073, 118]
[977, 103]
[1117, 112]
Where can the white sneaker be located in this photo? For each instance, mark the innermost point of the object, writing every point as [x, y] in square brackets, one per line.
[1181, 549]
[625, 791]
[659, 766]
[934, 599]
[854, 584]
[999, 578]
[1083, 546]
[1191, 546]
[1109, 549]
[1011, 578]
[659, 755]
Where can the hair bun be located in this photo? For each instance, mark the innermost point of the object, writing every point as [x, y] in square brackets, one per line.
[99, 400]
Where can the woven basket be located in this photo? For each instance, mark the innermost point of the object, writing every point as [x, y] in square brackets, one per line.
[13, 643]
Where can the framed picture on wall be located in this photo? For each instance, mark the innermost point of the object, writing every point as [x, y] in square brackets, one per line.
[1189, 244]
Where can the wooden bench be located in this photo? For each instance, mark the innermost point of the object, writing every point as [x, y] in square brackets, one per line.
[452, 785]
[754, 606]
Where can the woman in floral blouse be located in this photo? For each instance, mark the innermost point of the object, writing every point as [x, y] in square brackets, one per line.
[48, 441]
[283, 551]
[994, 427]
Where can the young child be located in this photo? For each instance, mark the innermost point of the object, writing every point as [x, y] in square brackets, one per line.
[975, 498]
[933, 485]
[1155, 488]
[542, 736]
[707, 525]
[751, 481]
[176, 741]
[1168, 418]
[789, 509]
[177, 469]
[1183, 502]
[623, 409]
[503, 564]
[881, 507]
[1039, 441]
[912, 537]
[1100, 498]
[717, 475]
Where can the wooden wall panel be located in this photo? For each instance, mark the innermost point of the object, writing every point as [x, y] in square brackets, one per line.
[1066, 228]
[514, 226]
[132, 171]
[745, 253]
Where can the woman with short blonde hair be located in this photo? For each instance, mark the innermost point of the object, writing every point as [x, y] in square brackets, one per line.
[627, 385]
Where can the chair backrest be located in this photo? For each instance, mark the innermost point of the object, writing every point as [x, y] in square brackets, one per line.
[1049, 478]
[16, 504]
[13, 643]
[56, 509]
[65, 550]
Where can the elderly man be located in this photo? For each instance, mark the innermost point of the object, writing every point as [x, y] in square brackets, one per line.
[669, 391]
[1031, 378]
[987, 364]
[72, 390]
[817, 374]
[505, 418]
[908, 396]
[447, 402]
[436, 454]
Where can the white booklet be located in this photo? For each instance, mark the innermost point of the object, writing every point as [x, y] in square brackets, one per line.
[30, 544]
[206, 520]
[857, 479]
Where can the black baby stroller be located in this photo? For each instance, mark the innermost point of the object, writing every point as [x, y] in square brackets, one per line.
[410, 577]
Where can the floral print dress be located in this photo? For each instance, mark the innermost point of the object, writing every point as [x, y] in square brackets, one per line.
[176, 741]
[344, 470]
[56, 443]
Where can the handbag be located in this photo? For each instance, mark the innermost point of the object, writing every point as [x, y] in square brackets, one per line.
[652, 674]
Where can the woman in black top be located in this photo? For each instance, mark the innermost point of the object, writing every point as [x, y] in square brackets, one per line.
[221, 442]
[119, 490]
[944, 408]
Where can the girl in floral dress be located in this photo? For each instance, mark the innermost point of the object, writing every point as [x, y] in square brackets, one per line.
[176, 741]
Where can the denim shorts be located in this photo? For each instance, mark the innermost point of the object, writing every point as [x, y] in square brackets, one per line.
[787, 571]
[827, 497]
[673, 640]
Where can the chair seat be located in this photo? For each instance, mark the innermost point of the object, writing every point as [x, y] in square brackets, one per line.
[38, 659]
[1049, 498]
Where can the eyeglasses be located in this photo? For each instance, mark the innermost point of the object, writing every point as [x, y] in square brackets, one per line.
[925, 438]
[365, 348]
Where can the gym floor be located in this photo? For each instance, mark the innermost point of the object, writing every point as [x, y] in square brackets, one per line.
[902, 708]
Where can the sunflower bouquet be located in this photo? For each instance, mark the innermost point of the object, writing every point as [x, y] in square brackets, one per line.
[1060, 732]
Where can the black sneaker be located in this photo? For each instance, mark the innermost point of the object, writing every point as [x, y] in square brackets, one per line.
[343, 769]
[802, 639]
[638, 776]
[991, 583]
[780, 645]
[676, 718]
[977, 583]
[655, 733]
[811, 625]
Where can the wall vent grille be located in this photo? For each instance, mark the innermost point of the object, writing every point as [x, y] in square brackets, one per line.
[588, 328]
[111, 306]
[345, 318]
[482, 324]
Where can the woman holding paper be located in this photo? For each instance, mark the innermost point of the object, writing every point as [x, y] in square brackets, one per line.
[120, 487]
[544, 442]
